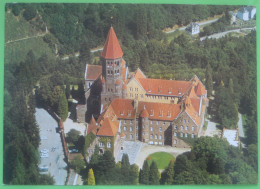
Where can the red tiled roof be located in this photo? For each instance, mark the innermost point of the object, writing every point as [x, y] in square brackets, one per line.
[200, 90]
[144, 113]
[92, 128]
[196, 104]
[191, 111]
[112, 48]
[93, 121]
[192, 93]
[164, 87]
[93, 71]
[139, 74]
[108, 128]
[124, 109]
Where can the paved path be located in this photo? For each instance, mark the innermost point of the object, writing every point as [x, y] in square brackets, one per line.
[200, 24]
[150, 149]
[69, 124]
[240, 126]
[212, 130]
[50, 139]
[77, 54]
[222, 34]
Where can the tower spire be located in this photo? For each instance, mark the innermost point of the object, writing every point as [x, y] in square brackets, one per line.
[112, 48]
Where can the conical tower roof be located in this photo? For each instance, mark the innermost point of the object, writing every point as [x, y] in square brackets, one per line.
[112, 48]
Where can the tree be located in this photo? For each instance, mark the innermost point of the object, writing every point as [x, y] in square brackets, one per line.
[85, 55]
[29, 13]
[169, 173]
[154, 175]
[73, 136]
[144, 173]
[67, 91]
[77, 163]
[134, 174]
[91, 177]
[63, 107]
[209, 82]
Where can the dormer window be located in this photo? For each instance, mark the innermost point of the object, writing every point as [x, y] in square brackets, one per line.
[160, 113]
[121, 113]
[152, 113]
[168, 114]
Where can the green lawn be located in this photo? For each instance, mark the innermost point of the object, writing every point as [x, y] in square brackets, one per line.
[17, 28]
[162, 159]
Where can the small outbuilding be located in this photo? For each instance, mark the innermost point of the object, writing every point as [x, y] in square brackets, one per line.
[193, 28]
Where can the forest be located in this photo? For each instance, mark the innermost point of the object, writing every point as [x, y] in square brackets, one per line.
[226, 66]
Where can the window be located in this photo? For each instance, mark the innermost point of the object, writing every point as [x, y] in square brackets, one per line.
[151, 122]
[136, 127]
[108, 89]
[142, 96]
[193, 128]
[143, 133]
[156, 137]
[151, 136]
[131, 89]
[157, 122]
[111, 71]
[124, 121]
[186, 128]
[175, 141]
[131, 136]
[131, 121]
[164, 123]
[181, 127]
[101, 144]
[151, 128]
[136, 135]
[160, 137]
[131, 128]
[108, 72]
[184, 121]
[192, 135]
[175, 127]
[105, 99]
[160, 129]
[175, 134]
[124, 128]
[186, 135]
[181, 135]
[109, 145]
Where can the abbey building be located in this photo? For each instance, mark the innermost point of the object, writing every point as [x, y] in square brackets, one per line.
[133, 107]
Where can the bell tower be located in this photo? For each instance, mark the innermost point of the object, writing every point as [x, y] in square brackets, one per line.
[111, 68]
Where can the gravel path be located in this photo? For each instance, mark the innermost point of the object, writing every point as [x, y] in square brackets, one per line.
[212, 129]
[146, 150]
[69, 124]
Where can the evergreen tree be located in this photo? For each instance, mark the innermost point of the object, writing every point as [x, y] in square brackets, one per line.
[125, 169]
[85, 55]
[144, 173]
[63, 107]
[154, 175]
[67, 91]
[91, 177]
[169, 173]
[209, 82]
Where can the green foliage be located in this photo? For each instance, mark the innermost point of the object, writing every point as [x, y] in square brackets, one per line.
[62, 110]
[144, 173]
[88, 141]
[91, 177]
[30, 12]
[168, 174]
[73, 136]
[77, 163]
[154, 174]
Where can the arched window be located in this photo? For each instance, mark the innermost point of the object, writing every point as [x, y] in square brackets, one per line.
[160, 137]
[175, 141]
[181, 127]
[151, 136]
[193, 128]
[186, 128]
[156, 137]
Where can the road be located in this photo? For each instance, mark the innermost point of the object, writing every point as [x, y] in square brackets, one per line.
[222, 34]
[200, 24]
[77, 54]
[52, 147]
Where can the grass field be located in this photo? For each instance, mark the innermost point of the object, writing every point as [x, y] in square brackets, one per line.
[162, 159]
[17, 28]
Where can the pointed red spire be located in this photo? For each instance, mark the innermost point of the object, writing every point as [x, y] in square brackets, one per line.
[112, 48]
